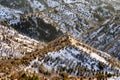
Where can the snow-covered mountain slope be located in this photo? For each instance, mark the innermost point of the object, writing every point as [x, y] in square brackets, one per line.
[85, 19]
[13, 43]
[33, 27]
[66, 40]
[73, 57]
[69, 58]
[66, 53]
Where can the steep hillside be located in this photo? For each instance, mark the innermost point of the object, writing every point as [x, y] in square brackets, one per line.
[59, 39]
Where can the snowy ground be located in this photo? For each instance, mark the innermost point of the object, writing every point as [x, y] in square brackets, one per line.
[114, 78]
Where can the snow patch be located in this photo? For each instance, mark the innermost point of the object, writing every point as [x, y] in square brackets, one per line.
[36, 5]
[52, 3]
[8, 13]
[94, 55]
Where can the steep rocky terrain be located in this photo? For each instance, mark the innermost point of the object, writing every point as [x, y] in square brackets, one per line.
[59, 39]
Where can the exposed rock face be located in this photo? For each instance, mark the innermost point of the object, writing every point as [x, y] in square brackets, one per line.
[80, 37]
